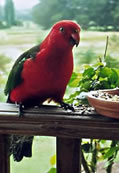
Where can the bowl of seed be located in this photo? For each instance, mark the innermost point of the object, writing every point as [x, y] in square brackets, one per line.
[105, 102]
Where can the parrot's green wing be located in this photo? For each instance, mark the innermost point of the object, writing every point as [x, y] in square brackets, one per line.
[14, 78]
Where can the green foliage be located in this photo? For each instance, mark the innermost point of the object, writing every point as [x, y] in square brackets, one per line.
[94, 77]
[110, 152]
[87, 13]
[99, 150]
[101, 75]
[52, 170]
[9, 13]
[46, 13]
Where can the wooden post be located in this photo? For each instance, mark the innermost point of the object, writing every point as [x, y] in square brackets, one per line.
[4, 158]
[68, 155]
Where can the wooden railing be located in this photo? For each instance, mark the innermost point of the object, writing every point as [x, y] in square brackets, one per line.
[67, 127]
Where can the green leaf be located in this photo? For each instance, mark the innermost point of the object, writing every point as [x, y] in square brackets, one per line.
[117, 70]
[74, 81]
[103, 79]
[89, 72]
[95, 77]
[86, 85]
[103, 141]
[86, 66]
[52, 170]
[109, 162]
[73, 77]
[99, 64]
[105, 72]
[72, 97]
[110, 152]
[105, 85]
[117, 83]
[95, 85]
[113, 77]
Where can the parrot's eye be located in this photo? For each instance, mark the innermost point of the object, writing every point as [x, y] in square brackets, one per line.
[76, 30]
[61, 29]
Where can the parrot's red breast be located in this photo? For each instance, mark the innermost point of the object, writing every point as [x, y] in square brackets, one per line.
[46, 76]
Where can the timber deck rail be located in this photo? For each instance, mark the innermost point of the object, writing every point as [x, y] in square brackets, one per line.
[67, 127]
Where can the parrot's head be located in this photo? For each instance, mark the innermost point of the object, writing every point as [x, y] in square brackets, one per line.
[64, 34]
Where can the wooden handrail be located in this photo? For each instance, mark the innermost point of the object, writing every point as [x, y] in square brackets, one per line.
[54, 121]
[68, 127]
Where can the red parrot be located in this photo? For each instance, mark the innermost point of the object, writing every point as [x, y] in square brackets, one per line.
[42, 73]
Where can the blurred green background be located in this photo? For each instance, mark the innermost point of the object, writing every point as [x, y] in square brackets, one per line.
[26, 23]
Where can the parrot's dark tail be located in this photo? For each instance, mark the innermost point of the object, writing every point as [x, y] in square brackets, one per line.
[20, 146]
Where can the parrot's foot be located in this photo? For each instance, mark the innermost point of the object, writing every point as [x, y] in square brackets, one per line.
[20, 111]
[67, 106]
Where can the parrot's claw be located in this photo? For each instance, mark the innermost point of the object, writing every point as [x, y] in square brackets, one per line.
[67, 106]
[20, 111]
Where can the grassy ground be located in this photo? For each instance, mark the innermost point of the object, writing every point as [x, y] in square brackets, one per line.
[12, 43]
[22, 38]
[15, 41]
